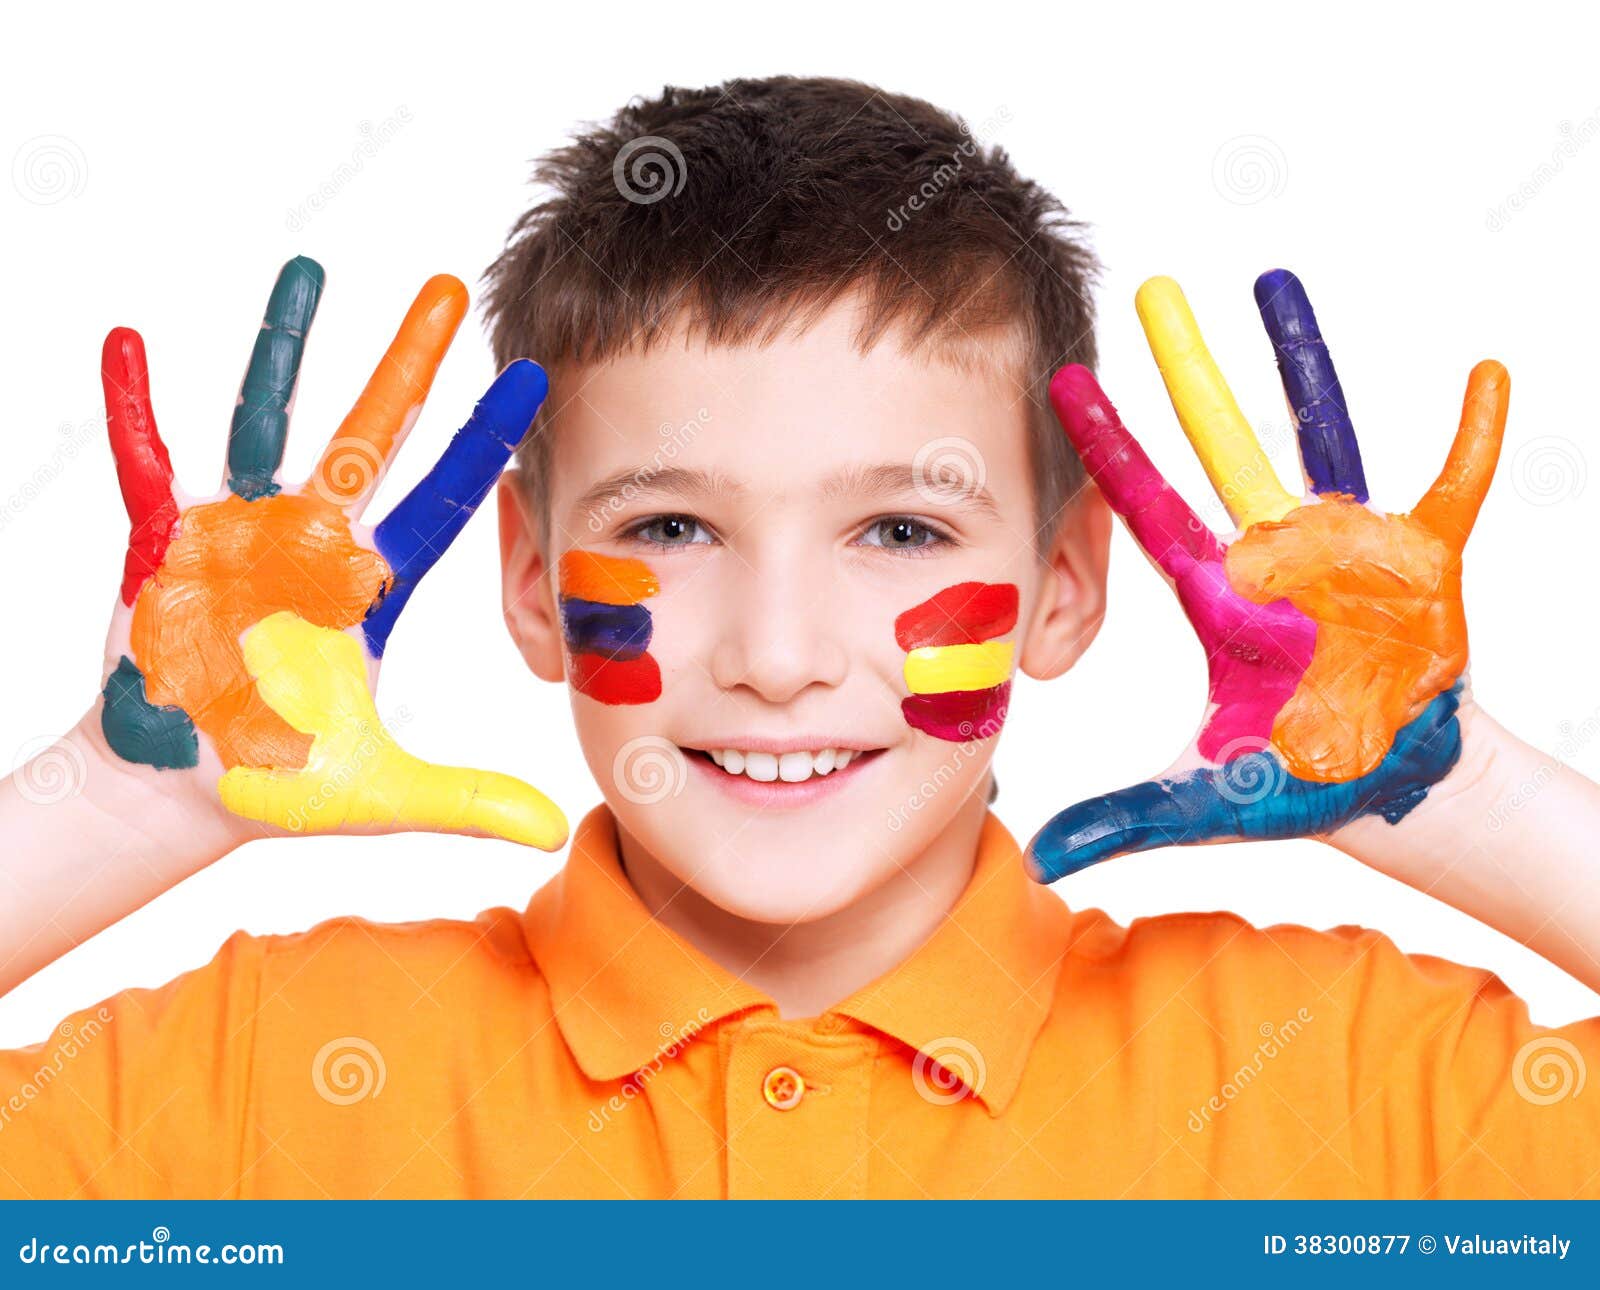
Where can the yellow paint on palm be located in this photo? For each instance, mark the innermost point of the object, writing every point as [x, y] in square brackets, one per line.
[356, 775]
[1227, 447]
[941, 669]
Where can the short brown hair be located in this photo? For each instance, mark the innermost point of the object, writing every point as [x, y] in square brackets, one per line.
[743, 206]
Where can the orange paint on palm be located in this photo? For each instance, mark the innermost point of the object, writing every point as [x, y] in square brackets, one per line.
[1385, 594]
[232, 564]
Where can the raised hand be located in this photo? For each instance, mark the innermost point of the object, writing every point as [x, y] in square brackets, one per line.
[1335, 638]
[245, 652]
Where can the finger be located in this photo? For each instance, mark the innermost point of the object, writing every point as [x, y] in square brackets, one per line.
[353, 464]
[356, 776]
[1222, 439]
[1450, 506]
[144, 471]
[1328, 447]
[1160, 520]
[261, 419]
[421, 528]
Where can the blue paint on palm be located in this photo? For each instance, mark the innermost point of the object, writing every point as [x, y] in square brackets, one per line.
[421, 528]
[1251, 797]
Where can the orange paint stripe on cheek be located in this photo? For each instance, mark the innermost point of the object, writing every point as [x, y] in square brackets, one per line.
[234, 563]
[606, 579]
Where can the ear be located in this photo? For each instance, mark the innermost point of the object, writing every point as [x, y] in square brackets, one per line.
[527, 600]
[1072, 592]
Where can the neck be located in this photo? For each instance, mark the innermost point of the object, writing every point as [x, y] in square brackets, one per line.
[806, 968]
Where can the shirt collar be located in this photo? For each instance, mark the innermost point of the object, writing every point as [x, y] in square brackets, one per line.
[972, 998]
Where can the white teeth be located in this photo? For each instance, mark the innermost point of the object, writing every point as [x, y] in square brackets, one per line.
[790, 767]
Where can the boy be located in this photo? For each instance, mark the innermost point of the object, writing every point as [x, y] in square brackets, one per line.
[792, 515]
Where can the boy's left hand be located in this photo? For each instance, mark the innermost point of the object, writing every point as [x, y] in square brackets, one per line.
[1335, 638]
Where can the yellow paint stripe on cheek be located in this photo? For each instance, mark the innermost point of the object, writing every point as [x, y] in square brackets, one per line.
[357, 776]
[939, 669]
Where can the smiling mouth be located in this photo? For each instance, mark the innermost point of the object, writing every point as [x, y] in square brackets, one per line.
[781, 769]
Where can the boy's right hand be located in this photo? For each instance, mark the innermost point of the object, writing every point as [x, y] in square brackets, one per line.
[243, 655]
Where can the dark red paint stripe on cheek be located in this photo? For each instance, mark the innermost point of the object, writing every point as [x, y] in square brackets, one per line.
[609, 680]
[968, 613]
[959, 715]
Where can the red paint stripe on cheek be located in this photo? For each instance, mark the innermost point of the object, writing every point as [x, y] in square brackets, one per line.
[968, 613]
[608, 680]
[959, 715]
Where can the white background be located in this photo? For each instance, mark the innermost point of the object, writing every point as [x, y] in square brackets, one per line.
[158, 165]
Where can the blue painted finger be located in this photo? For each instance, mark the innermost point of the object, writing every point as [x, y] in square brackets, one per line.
[1328, 445]
[1251, 797]
[261, 419]
[421, 528]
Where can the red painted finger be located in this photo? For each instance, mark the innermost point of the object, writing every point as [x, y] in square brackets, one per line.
[1159, 519]
[143, 468]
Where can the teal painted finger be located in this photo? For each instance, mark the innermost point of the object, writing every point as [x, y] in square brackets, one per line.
[143, 732]
[261, 418]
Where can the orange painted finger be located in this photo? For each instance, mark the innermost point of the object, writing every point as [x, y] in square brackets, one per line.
[367, 439]
[1450, 506]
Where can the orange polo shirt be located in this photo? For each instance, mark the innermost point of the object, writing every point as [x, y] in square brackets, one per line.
[580, 1049]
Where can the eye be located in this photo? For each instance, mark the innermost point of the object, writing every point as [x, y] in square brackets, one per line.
[902, 533]
[670, 530]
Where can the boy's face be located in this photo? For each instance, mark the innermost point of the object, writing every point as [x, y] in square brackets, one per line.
[750, 522]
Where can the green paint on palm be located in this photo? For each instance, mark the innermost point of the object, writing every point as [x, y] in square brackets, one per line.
[140, 731]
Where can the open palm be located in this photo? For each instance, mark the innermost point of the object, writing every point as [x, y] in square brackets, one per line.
[1335, 638]
[247, 645]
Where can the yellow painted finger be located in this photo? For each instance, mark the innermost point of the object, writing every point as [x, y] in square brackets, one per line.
[389, 406]
[939, 669]
[1227, 447]
[356, 776]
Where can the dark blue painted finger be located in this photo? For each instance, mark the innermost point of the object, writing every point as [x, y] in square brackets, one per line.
[1252, 797]
[421, 528]
[1328, 445]
[261, 419]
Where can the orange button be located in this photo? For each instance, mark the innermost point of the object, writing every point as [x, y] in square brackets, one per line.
[783, 1088]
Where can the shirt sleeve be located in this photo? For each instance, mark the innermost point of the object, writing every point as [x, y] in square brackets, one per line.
[1454, 1092]
[145, 1095]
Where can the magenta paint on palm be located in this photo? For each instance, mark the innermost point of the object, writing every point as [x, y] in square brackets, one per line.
[1255, 654]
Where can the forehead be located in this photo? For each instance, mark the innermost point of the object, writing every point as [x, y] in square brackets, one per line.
[793, 409]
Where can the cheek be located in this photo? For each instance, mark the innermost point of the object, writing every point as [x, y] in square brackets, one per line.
[957, 669]
[608, 628]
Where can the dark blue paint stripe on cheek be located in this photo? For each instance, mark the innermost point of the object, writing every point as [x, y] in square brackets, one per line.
[619, 632]
[1250, 797]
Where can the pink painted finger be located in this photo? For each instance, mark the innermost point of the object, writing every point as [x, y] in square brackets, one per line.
[1160, 520]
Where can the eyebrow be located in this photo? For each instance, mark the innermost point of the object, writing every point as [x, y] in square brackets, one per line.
[884, 481]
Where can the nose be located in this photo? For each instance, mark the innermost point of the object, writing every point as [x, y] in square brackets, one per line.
[780, 634]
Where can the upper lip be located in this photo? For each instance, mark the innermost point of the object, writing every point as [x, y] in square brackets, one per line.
[781, 744]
